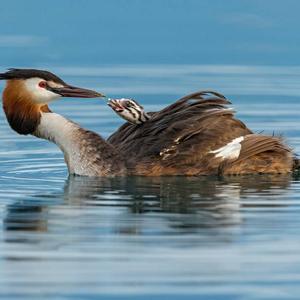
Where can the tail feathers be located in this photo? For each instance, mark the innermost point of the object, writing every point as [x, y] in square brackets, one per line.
[255, 144]
[262, 155]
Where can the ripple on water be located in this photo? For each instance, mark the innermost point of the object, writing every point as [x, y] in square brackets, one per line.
[200, 238]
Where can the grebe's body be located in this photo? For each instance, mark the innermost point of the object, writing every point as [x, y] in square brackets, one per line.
[196, 135]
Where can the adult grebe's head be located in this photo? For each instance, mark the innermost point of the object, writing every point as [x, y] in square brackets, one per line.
[129, 110]
[27, 93]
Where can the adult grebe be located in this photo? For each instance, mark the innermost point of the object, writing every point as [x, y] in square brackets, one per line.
[197, 135]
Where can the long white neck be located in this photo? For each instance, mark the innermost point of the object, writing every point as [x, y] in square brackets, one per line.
[86, 153]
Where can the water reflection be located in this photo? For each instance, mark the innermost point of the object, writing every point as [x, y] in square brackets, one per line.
[186, 204]
[91, 235]
[21, 217]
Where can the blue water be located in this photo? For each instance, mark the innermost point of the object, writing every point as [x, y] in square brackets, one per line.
[151, 238]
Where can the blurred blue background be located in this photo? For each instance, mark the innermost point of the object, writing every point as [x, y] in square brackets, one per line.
[91, 32]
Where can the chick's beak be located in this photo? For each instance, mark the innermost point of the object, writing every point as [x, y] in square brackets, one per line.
[115, 105]
[75, 92]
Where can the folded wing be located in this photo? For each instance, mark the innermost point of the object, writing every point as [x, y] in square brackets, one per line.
[198, 135]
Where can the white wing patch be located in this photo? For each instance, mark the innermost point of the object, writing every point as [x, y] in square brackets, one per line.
[230, 150]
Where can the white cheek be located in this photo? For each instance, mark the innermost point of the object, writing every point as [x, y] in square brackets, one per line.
[39, 94]
[127, 115]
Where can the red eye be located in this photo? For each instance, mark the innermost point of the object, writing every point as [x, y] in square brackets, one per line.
[42, 84]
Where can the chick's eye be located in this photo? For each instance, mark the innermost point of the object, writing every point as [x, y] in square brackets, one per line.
[42, 84]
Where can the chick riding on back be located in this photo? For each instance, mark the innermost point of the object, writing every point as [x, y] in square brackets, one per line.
[129, 110]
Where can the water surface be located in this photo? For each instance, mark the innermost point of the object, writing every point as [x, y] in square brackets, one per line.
[185, 238]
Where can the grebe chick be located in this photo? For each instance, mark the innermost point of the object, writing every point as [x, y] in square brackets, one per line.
[129, 109]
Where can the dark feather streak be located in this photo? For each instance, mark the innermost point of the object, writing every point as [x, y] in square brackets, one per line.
[13, 73]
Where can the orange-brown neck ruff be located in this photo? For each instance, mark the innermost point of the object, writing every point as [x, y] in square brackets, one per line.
[23, 115]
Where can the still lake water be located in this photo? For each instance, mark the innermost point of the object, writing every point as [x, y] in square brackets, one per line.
[133, 238]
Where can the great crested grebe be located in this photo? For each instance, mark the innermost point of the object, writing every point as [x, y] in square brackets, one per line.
[196, 135]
